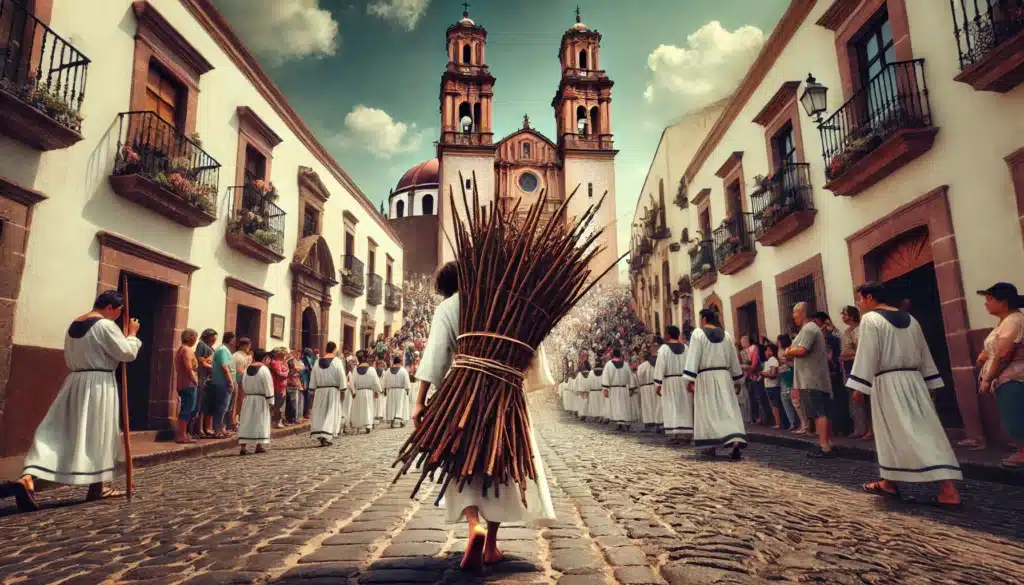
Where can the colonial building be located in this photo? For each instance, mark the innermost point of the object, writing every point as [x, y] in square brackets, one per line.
[900, 159]
[522, 165]
[143, 148]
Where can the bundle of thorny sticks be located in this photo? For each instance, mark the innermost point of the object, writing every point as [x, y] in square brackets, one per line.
[517, 278]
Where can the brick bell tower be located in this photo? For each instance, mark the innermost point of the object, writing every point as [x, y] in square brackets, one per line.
[466, 144]
[582, 108]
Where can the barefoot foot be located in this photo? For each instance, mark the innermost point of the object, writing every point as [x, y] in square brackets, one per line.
[473, 559]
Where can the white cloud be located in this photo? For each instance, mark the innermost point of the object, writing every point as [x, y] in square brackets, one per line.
[283, 29]
[378, 133]
[403, 13]
[706, 70]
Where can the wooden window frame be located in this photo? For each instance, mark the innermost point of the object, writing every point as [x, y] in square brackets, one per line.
[752, 294]
[731, 173]
[254, 132]
[848, 19]
[782, 109]
[157, 41]
[389, 269]
[313, 194]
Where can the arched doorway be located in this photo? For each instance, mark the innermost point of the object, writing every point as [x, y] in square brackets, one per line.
[906, 265]
[309, 328]
[714, 302]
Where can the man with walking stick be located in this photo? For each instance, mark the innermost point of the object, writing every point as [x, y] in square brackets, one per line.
[79, 441]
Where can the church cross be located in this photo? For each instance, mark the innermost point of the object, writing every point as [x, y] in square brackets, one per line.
[465, 12]
[578, 13]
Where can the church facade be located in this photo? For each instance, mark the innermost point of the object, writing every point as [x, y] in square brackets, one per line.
[518, 168]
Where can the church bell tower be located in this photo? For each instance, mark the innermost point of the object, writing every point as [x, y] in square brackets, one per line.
[466, 144]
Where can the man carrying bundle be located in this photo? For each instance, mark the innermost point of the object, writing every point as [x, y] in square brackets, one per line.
[79, 440]
[676, 402]
[327, 380]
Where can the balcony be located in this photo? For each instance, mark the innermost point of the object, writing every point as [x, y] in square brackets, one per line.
[785, 206]
[352, 280]
[734, 243]
[646, 247]
[577, 142]
[374, 290]
[392, 297]
[662, 233]
[884, 126]
[702, 265]
[575, 73]
[467, 138]
[990, 40]
[164, 171]
[257, 228]
[42, 81]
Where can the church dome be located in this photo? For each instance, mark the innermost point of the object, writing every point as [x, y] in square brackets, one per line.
[467, 21]
[580, 27]
[422, 175]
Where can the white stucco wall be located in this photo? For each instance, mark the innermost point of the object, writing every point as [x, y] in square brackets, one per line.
[468, 164]
[977, 130]
[581, 170]
[413, 202]
[59, 282]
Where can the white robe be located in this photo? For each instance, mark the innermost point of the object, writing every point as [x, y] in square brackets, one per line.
[396, 387]
[714, 366]
[634, 398]
[604, 410]
[676, 402]
[363, 384]
[79, 440]
[895, 367]
[380, 401]
[590, 387]
[254, 417]
[327, 379]
[617, 379]
[507, 506]
[579, 394]
[650, 402]
[563, 394]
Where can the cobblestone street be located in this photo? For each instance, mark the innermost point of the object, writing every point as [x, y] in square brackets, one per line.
[631, 510]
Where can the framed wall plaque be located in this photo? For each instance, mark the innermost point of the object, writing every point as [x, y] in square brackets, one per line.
[277, 326]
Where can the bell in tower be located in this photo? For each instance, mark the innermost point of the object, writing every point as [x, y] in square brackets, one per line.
[466, 86]
[582, 103]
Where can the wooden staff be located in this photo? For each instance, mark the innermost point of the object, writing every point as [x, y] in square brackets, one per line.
[125, 426]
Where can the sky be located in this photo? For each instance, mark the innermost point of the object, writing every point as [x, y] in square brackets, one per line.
[365, 74]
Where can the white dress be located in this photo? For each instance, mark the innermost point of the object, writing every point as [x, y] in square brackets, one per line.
[254, 418]
[396, 386]
[650, 402]
[617, 379]
[362, 387]
[507, 506]
[714, 366]
[79, 440]
[676, 402]
[895, 367]
[327, 378]
[380, 401]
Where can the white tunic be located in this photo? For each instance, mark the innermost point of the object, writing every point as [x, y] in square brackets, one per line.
[79, 440]
[507, 506]
[254, 418]
[380, 400]
[895, 367]
[604, 410]
[650, 402]
[328, 380]
[634, 398]
[363, 385]
[712, 362]
[618, 381]
[396, 387]
[579, 394]
[676, 402]
[590, 386]
[563, 394]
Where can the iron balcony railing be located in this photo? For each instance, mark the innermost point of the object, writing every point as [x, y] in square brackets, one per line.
[787, 191]
[735, 235]
[40, 67]
[375, 289]
[702, 260]
[149, 146]
[982, 25]
[259, 218]
[894, 99]
[392, 297]
[352, 279]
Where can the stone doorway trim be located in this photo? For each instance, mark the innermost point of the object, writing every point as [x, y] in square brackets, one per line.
[712, 301]
[312, 280]
[752, 293]
[931, 211]
[241, 293]
[118, 253]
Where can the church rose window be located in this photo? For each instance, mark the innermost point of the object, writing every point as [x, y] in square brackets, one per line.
[528, 182]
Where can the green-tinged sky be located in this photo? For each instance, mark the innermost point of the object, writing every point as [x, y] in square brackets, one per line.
[365, 73]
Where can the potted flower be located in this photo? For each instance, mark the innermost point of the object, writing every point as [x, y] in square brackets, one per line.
[266, 189]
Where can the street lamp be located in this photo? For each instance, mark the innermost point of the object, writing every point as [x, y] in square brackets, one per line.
[814, 98]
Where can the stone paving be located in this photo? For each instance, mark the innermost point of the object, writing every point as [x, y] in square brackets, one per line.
[631, 510]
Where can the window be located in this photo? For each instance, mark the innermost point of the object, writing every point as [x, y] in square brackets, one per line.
[875, 48]
[255, 165]
[583, 59]
[528, 182]
[400, 209]
[526, 150]
[467, 53]
[783, 147]
[800, 290]
[310, 221]
[371, 260]
[350, 244]
[388, 273]
[590, 189]
[163, 95]
[469, 184]
[428, 205]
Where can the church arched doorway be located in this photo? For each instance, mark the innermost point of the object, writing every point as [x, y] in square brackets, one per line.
[309, 328]
[595, 121]
[467, 53]
[465, 117]
[581, 120]
[583, 59]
